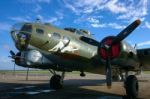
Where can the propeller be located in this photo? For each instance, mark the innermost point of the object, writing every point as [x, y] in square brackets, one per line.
[108, 69]
[108, 45]
[12, 53]
[15, 57]
[127, 31]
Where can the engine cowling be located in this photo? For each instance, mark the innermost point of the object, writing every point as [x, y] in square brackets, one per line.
[120, 53]
[114, 51]
[32, 58]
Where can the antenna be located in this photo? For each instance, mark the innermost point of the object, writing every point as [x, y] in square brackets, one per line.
[135, 46]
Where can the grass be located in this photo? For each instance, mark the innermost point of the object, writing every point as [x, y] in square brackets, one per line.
[33, 71]
[147, 72]
[25, 71]
[44, 72]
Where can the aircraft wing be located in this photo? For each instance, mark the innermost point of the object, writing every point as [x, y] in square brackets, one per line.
[144, 57]
[89, 41]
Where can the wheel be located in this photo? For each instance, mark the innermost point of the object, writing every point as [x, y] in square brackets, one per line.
[132, 87]
[55, 82]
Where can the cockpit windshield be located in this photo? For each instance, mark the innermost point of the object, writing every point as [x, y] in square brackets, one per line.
[27, 28]
[21, 33]
[22, 27]
[17, 27]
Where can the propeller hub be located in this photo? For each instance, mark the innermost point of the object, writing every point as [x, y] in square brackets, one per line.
[107, 48]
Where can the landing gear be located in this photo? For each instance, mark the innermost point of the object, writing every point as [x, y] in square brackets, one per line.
[118, 75]
[56, 81]
[116, 78]
[132, 87]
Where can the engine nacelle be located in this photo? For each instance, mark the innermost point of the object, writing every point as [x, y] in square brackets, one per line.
[121, 53]
[32, 59]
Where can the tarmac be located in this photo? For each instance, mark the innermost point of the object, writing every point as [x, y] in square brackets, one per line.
[92, 86]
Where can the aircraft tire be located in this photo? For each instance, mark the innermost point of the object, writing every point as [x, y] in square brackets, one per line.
[132, 87]
[55, 82]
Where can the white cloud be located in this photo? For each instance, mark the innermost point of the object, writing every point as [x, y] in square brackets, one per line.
[86, 18]
[34, 1]
[51, 20]
[126, 9]
[144, 43]
[71, 7]
[107, 25]
[21, 19]
[48, 20]
[83, 6]
[87, 3]
[115, 7]
[135, 10]
[93, 20]
[60, 15]
[5, 26]
[146, 25]
[44, 1]
[95, 25]
[116, 26]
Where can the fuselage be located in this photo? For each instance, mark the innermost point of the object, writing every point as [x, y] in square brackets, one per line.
[47, 47]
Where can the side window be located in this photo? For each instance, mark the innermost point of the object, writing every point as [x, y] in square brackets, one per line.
[79, 33]
[66, 40]
[39, 31]
[56, 35]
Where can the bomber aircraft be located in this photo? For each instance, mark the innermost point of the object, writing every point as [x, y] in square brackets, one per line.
[44, 46]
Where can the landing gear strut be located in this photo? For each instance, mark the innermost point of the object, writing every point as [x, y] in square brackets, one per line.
[132, 87]
[56, 81]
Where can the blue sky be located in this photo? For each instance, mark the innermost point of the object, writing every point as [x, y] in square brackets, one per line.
[100, 17]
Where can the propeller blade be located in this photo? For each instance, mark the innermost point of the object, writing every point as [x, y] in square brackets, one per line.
[12, 53]
[128, 30]
[107, 45]
[108, 71]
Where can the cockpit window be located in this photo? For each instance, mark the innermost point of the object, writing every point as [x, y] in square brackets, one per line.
[56, 35]
[79, 33]
[70, 29]
[40, 31]
[26, 28]
[17, 26]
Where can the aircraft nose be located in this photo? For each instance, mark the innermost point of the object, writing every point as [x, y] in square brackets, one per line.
[21, 34]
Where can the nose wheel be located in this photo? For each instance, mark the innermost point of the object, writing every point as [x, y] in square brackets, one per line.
[132, 87]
